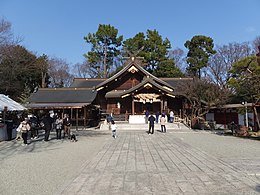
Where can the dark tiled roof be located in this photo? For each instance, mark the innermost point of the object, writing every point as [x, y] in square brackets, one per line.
[63, 95]
[86, 83]
[57, 105]
[177, 82]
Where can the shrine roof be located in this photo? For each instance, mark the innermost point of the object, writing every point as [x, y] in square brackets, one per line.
[147, 81]
[62, 95]
[128, 66]
[177, 83]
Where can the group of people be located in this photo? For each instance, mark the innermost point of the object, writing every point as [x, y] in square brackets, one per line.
[151, 119]
[29, 127]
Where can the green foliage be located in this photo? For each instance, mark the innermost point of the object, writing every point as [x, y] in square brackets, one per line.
[200, 49]
[167, 68]
[245, 79]
[105, 46]
[155, 50]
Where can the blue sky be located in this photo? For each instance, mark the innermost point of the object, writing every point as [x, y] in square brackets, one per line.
[57, 27]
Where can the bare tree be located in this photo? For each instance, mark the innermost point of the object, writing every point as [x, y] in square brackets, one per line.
[256, 43]
[201, 96]
[59, 73]
[179, 57]
[84, 70]
[221, 62]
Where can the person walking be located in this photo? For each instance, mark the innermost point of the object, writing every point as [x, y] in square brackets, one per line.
[34, 126]
[151, 121]
[171, 116]
[66, 123]
[47, 121]
[24, 127]
[113, 128]
[58, 126]
[162, 121]
[17, 123]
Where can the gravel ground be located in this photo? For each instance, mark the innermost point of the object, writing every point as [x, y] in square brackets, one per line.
[44, 167]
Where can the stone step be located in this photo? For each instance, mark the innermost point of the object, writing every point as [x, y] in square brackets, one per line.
[143, 127]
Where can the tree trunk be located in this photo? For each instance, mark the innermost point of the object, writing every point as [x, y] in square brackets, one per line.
[105, 62]
[257, 119]
[43, 80]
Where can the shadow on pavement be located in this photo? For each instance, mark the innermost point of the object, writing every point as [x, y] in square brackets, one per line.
[13, 147]
[257, 188]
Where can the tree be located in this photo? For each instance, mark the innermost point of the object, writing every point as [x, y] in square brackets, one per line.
[43, 66]
[179, 58]
[256, 44]
[59, 73]
[202, 95]
[220, 63]
[6, 34]
[19, 71]
[167, 68]
[83, 70]
[200, 49]
[245, 81]
[105, 46]
[155, 51]
[6, 38]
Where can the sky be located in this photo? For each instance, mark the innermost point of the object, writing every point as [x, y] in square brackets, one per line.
[57, 27]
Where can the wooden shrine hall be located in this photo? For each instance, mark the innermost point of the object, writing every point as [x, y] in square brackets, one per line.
[127, 95]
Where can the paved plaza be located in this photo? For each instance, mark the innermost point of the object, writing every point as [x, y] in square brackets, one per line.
[182, 161]
[137, 163]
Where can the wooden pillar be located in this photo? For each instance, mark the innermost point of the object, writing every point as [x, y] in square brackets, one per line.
[77, 118]
[165, 106]
[85, 113]
[133, 105]
[161, 104]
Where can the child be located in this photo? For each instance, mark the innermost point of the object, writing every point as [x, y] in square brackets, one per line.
[113, 128]
[24, 127]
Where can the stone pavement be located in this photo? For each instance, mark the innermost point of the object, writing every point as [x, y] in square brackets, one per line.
[138, 163]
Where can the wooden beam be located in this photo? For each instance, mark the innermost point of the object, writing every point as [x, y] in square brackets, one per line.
[133, 105]
[77, 118]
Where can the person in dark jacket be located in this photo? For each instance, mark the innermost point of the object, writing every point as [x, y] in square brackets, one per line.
[47, 121]
[151, 120]
[34, 126]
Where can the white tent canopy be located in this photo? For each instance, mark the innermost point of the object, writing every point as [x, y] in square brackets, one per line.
[11, 105]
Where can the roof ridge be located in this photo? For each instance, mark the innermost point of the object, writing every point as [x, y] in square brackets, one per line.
[64, 88]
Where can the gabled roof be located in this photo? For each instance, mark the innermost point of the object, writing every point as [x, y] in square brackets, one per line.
[177, 83]
[146, 82]
[129, 67]
[63, 97]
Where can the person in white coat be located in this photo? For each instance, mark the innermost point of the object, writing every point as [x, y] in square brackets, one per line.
[113, 128]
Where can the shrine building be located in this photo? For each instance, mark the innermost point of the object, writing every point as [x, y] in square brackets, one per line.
[127, 95]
